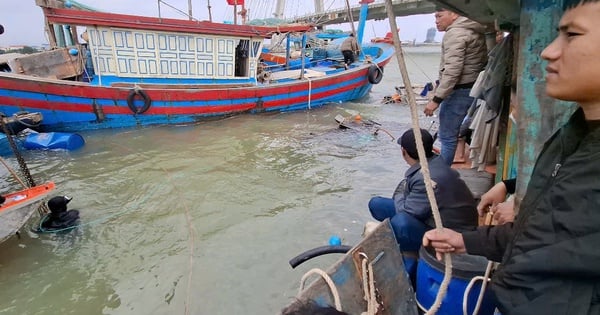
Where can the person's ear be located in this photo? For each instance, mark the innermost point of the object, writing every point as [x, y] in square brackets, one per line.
[404, 153]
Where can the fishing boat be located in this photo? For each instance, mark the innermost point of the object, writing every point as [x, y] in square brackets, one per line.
[19, 206]
[135, 71]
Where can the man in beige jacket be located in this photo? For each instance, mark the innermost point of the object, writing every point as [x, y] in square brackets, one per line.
[464, 55]
[349, 48]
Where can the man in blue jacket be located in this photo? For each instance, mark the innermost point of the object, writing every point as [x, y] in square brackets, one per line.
[409, 209]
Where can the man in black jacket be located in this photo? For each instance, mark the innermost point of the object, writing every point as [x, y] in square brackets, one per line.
[550, 255]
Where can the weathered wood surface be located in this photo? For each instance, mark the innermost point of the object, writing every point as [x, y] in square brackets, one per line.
[394, 291]
[58, 64]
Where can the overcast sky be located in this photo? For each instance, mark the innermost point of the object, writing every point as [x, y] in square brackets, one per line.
[23, 20]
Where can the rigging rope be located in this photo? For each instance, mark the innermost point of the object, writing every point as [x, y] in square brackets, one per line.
[421, 153]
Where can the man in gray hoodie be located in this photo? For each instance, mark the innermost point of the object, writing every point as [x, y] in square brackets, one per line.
[464, 56]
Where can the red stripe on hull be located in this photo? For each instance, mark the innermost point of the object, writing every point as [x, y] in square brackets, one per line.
[87, 108]
[174, 95]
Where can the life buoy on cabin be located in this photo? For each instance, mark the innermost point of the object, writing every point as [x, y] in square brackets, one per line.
[375, 74]
[131, 97]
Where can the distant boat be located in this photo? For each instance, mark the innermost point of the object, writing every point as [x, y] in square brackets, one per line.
[19, 206]
[135, 71]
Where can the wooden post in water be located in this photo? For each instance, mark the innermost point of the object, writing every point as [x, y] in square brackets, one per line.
[412, 102]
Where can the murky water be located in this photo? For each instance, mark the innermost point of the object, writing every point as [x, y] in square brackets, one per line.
[202, 219]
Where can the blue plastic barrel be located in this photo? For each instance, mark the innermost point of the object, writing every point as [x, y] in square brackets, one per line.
[430, 273]
[53, 140]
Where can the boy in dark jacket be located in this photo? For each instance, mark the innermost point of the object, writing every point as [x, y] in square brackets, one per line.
[409, 209]
[550, 255]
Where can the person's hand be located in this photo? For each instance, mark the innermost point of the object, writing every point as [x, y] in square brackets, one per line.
[504, 212]
[491, 198]
[430, 108]
[444, 241]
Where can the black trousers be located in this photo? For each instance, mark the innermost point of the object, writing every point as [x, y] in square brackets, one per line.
[348, 56]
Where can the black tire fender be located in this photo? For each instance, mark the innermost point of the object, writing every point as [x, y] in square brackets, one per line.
[375, 74]
[131, 97]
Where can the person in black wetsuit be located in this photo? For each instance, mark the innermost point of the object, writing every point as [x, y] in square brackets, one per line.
[59, 217]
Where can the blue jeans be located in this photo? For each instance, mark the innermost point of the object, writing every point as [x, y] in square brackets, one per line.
[407, 229]
[453, 110]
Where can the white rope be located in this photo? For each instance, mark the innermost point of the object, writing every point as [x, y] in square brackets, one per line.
[369, 286]
[309, 92]
[332, 287]
[422, 159]
[485, 279]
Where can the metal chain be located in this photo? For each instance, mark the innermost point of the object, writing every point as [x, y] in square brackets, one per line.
[13, 146]
[43, 208]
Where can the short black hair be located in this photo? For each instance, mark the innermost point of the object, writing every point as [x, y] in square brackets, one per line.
[407, 142]
[570, 4]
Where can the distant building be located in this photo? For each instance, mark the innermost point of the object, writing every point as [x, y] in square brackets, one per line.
[431, 32]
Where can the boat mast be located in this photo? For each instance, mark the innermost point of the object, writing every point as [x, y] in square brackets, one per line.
[362, 18]
[350, 17]
[209, 12]
[279, 9]
[319, 6]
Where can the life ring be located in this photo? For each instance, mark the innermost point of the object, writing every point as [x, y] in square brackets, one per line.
[131, 97]
[375, 74]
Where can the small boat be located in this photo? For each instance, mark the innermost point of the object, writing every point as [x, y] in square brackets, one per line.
[19, 206]
[371, 278]
[378, 252]
[134, 71]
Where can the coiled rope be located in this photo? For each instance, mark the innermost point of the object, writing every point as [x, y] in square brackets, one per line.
[332, 287]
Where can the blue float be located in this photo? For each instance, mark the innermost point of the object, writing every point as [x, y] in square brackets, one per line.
[430, 273]
[335, 240]
[53, 140]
